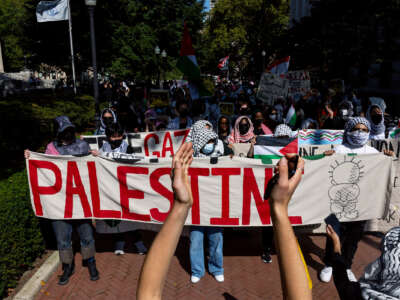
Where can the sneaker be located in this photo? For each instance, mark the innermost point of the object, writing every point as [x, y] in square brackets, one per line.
[326, 274]
[119, 252]
[194, 279]
[266, 258]
[351, 276]
[219, 278]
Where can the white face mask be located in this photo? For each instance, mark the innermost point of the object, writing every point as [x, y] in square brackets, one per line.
[358, 138]
[273, 117]
[208, 149]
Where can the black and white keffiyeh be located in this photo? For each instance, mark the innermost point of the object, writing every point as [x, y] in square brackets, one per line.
[381, 279]
[283, 130]
[199, 125]
[201, 135]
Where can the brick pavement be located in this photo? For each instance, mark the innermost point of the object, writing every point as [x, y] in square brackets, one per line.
[246, 277]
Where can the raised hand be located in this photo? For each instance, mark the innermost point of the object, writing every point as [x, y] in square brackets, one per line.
[180, 174]
[285, 187]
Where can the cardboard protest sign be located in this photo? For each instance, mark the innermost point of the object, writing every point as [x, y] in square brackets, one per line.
[229, 193]
[227, 108]
[158, 143]
[158, 98]
[298, 82]
[271, 87]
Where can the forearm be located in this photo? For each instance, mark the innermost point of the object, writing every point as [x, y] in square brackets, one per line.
[156, 264]
[293, 274]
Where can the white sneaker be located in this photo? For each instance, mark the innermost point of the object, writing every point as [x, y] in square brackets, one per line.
[194, 279]
[219, 278]
[326, 274]
[351, 276]
[119, 252]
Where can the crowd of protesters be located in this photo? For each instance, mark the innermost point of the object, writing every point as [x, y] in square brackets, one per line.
[214, 130]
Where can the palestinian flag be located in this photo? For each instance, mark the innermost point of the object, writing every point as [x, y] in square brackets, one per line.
[269, 148]
[187, 62]
[395, 134]
[291, 116]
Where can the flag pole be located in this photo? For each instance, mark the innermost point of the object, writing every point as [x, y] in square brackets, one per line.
[72, 46]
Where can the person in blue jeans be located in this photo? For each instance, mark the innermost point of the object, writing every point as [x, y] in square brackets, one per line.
[206, 143]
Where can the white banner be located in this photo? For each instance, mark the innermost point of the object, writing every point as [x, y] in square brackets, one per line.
[158, 143]
[229, 193]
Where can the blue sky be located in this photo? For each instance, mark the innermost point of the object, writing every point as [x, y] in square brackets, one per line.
[207, 5]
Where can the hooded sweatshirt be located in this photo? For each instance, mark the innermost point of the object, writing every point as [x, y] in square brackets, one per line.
[77, 147]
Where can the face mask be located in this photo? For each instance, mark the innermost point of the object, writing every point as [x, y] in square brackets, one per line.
[273, 117]
[258, 122]
[115, 143]
[208, 148]
[108, 121]
[358, 138]
[376, 119]
[184, 113]
[68, 137]
[244, 128]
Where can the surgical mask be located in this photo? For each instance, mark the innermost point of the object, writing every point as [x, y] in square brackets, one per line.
[273, 117]
[357, 138]
[244, 128]
[208, 148]
[376, 119]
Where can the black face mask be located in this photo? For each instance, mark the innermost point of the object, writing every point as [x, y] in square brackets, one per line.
[183, 113]
[67, 137]
[376, 119]
[258, 122]
[108, 121]
[244, 128]
[115, 143]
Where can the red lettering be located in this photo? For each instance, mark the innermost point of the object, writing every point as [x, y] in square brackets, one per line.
[146, 146]
[94, 191]
[194, 174]
[250, 188]
[37, 190]
[183, 133]
[170, 148]
[73, 176]
[225, 173]
[126, 193]
[163, 191]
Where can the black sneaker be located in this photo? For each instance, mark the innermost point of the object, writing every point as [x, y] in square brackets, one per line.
[94, 274]
[266, 258]
[68, 271]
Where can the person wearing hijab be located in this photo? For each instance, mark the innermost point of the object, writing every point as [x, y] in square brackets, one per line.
[108, 117]
[381, 279]
[205, 144]
[243, 132]
[375, 115]
[355, 138]
[259, 127]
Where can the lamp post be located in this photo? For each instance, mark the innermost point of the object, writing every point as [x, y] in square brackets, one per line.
[91, 4]
[157, 52]
[263, 53]
[163, 57]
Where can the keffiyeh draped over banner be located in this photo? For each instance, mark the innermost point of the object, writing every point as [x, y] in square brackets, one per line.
[229, 193]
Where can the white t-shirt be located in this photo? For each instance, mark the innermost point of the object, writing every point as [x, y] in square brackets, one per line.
[346, 149]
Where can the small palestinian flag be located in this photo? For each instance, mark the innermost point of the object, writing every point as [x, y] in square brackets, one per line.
[291, 117]
[269, 148]
[187, 62]
[395, 134]
[223, 63]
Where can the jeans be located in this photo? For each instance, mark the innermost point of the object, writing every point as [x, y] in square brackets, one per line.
[63, 232]
[215, 245]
